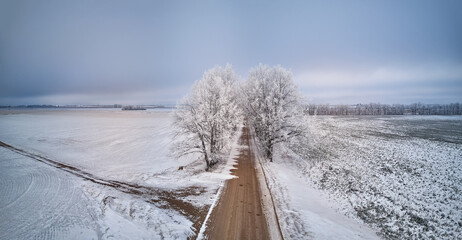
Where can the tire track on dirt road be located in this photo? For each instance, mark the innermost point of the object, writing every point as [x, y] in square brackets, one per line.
[239, 213]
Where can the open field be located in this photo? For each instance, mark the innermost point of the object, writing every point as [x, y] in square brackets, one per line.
[401, 175]
[99, 174]
[105, 174]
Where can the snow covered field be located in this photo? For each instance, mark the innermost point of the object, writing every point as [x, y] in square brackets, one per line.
[99, 174]
[115, 144]
[102, 174]
[400, 175]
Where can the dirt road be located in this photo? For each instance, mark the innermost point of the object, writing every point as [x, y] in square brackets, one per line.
[238, 214]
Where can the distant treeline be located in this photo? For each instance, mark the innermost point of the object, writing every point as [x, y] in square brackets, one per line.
[128, 107]
[61, 106]
[384, 109]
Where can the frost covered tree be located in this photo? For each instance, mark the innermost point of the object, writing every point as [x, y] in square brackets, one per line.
[208, 117]
[272, 106]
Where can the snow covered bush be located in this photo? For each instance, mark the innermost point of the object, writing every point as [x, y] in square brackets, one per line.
[206, 120]
[272, 106]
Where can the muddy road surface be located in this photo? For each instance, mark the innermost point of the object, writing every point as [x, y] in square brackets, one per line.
[238, 214]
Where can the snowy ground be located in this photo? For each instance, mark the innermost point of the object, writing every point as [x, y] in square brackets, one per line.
[303, 211]
[107, 148]
[400, 175]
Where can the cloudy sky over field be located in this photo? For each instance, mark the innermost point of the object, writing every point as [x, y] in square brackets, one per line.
[148, 52]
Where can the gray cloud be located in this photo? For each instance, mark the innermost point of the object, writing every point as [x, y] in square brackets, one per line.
[118, 51]
[386, 85]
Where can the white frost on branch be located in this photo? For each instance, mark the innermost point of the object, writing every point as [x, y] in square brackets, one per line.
[272, 106]
[207, 119]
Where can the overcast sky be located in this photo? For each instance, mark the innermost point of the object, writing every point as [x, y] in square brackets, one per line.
[151, 52]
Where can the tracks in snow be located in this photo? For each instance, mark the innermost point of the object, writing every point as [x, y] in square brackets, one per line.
[159, 197]
[32, 195]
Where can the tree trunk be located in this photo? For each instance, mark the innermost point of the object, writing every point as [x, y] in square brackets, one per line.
[207, 161]
[212, 139]
[269, 152]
